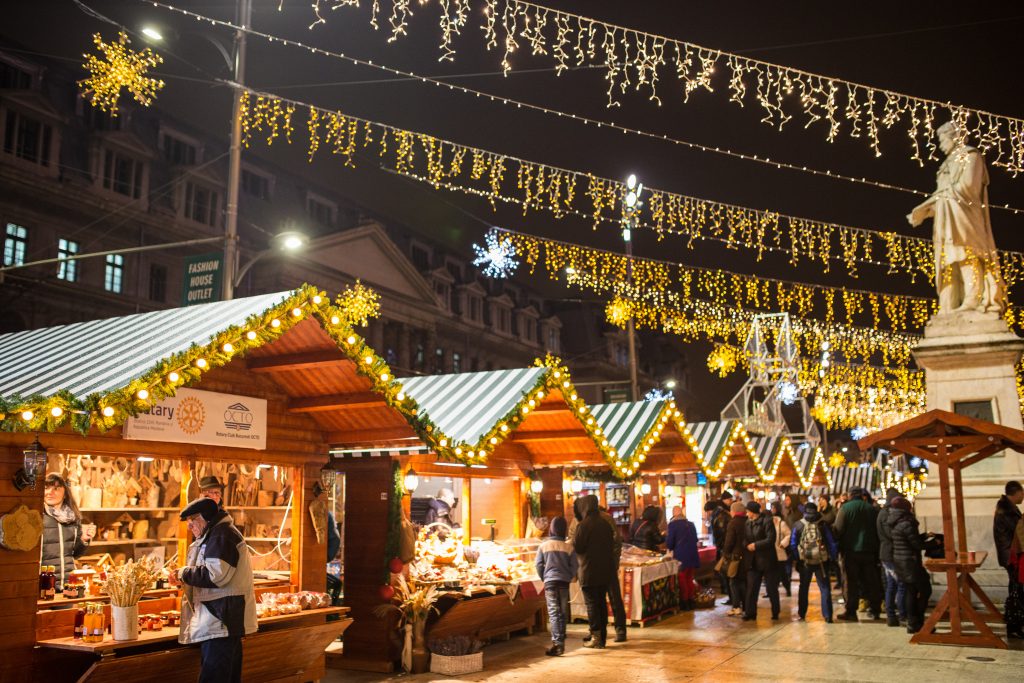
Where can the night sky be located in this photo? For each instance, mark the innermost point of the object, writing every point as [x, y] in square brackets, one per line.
[938, 50]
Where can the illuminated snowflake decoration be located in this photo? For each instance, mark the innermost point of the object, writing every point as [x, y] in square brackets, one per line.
[788, 393]
[858, 433]
[120, 67]
[657, 394]
[722, 360]
[359, 303]
[618, 312]
[498, 257]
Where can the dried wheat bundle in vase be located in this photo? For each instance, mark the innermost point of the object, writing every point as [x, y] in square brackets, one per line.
[127, 582]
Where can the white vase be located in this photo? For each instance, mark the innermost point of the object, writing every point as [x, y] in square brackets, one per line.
[124, 622]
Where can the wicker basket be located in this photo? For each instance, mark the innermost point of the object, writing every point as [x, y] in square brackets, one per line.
[454, 666]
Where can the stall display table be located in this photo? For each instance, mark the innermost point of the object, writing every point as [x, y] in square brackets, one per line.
[286, 648]
[484, 615]
[649, 592]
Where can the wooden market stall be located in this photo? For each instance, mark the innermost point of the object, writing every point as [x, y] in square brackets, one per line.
[953, 442]
[133, 410]
[813, 467]
[728, 453]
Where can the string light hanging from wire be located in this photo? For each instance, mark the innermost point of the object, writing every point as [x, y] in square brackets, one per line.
[636, 60]
[534, 186]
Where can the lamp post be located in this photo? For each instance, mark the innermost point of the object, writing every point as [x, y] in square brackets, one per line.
[235, 158]
[290, 240]
[630, 207]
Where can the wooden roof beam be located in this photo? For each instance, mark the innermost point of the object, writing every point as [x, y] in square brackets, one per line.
[371, 438]
[549, 435]
[315, 404]
[297, 361]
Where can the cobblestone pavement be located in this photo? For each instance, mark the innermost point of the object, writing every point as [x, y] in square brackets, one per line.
[707, 645]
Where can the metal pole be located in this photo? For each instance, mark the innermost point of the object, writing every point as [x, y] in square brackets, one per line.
[235, 158]
[634, 389]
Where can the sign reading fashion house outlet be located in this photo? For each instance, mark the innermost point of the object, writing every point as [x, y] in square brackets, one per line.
[205, 417]
[202, 279]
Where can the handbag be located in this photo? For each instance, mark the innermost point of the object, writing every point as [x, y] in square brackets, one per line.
[733, 568]
[720, 565]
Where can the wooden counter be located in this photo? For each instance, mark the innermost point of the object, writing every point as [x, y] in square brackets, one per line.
[287, 648]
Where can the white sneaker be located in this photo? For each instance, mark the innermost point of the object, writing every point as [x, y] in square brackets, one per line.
[735, 612]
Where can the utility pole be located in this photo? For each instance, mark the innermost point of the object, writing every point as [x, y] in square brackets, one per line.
[235, 158]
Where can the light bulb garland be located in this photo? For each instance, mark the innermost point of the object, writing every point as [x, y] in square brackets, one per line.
[120, 67]
[635, 60]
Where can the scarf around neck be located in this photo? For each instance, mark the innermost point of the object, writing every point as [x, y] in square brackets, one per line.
[63, 514]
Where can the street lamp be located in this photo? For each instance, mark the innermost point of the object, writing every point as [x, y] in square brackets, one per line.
[287, 241]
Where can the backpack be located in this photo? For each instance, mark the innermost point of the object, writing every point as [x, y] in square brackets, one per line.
[811, 545]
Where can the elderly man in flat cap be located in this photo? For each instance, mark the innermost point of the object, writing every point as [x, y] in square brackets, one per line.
[218, 606]
[212, 488]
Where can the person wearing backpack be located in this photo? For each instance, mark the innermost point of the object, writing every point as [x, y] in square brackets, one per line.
[813, 547]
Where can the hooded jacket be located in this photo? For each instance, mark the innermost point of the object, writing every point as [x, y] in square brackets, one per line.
[1003, 525]
[882, 527]
[556, 561]
[812, 516]
[647, 535]
[855, 527]
[906, 544]
[760, 532]
[594, 544]
[218, 599]
[682, 541]
[828, 515]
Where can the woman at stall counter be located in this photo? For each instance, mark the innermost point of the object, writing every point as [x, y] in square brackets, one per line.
[64, 535]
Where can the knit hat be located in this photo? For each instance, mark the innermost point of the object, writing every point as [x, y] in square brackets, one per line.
[901, 503]
[558, 527]
[204, 507]
[726, 495]
[737, 507]
[891, 493]
[210, 482]
[754, 507]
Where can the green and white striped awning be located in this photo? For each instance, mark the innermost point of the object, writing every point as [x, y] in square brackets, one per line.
[103, 355]
[626, 424]
[712, 439]
[467, 405]
[380, 452]
[766, 449]
[845, 478]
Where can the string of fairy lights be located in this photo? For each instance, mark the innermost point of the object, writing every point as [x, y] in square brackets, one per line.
[519, 104]
[438, 162]
[636, 60]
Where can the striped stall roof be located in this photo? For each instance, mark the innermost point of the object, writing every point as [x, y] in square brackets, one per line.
[846, 478]
[712, 440]
[102, 355]
[626, 424]
[380, 452]
[767, 448]
[467, 405]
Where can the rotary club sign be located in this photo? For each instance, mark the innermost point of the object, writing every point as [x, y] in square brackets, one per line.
[205, 417]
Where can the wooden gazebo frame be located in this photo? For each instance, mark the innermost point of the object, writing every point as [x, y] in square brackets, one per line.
[953, 442]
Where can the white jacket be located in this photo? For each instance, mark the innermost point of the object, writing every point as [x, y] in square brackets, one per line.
[782, 533]
[218, 598]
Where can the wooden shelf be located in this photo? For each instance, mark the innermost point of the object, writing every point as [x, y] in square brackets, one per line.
[286, 539]
[133, 541]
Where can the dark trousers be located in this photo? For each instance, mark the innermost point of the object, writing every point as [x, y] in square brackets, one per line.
[557, 597]
[737, 588]
[618, 608]
[597, 611]
[820, 575]
[916, 598]
[222, 660]
[723, 580]
[895, 593]
[863, 580]
[786, 575]
[770, 577]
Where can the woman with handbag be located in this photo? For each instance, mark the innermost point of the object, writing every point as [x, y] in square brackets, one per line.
[732, 557]
[782, 534]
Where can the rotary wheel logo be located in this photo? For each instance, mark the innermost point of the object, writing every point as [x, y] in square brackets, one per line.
[191, 415]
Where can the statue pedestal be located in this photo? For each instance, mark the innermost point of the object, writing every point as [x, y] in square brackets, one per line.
[970, 358]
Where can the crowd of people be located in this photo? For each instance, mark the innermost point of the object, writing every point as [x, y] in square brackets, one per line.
[868, 550]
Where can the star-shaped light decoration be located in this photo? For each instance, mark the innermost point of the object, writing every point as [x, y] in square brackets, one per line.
[119, 67]
[498, 257]
[658, 394]
[858, 433]
[618, 312]
[722, 359]
[360, 303]
[788, 393]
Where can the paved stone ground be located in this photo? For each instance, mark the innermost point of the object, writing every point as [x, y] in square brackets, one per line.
[707, 645]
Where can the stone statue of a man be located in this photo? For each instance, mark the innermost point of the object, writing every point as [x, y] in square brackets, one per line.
[966, 262]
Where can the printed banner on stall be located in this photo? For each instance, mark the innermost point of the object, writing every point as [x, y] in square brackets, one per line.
[205, 417]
